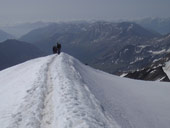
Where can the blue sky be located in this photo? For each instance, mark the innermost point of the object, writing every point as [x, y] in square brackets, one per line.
[13, 11]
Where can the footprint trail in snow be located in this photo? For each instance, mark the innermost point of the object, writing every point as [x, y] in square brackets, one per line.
[59, 98]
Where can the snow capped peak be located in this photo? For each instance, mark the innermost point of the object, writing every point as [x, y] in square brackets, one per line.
[58, 91]
[167, 69]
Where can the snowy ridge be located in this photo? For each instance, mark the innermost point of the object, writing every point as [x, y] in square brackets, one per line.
[55, 96]
[22, 91]
[132, 103]
[75, 106]
[61, 92]
[30, 112]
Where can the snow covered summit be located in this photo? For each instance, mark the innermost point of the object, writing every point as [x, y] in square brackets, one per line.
[58, 91]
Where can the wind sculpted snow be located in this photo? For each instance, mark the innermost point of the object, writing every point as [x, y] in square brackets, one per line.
[58, 91]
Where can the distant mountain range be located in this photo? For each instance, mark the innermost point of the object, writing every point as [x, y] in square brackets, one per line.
[161, 25]
[154, 71]
[4, 36]
[13, 52]
[112, 47]
[21, 29]
[104, 45]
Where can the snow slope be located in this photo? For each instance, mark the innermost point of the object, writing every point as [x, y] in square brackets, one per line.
[20, 92]
[132, 103]
[60, 92]
[167, 69]
[49, 93]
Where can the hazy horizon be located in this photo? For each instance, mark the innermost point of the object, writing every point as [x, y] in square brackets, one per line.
[20, 11]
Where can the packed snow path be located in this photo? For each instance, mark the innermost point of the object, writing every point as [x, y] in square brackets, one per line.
[75, 106]
[55, 97]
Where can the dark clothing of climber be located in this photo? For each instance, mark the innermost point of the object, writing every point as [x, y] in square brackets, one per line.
[54, 49]
[57, 49]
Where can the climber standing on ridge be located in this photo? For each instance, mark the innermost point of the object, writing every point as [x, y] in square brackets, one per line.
[58, 48]
[54, 49]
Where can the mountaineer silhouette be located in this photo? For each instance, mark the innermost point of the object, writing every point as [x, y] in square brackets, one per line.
[57, 48]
